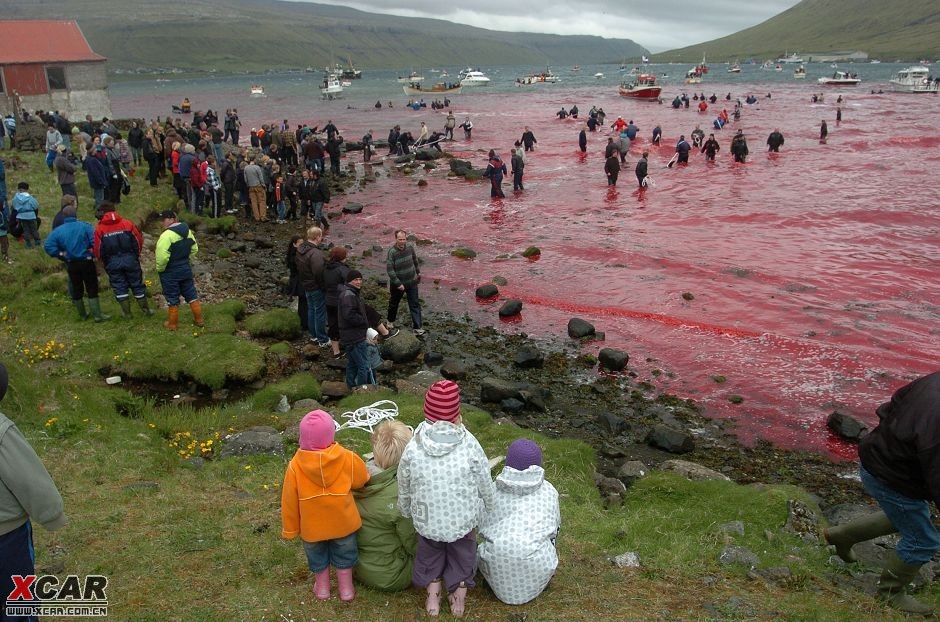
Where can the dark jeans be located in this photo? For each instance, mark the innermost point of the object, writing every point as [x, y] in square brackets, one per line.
[453, 561]
[517, 181]
[358, 371]
[911, 517]
[69, 189]
[229, 191]
[341, 553]
[84, 277]
[414, 304]
[153, 164]
[17, 557]
[30, 232]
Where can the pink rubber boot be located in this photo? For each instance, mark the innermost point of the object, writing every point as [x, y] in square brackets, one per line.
[458, 601]
[433, 603]
[347, 591]
[321, 586]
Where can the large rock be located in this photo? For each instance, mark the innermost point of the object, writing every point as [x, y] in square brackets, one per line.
[487, 291]
[631, 471]
[738, 555]
[578, 328]
[614, 360]
[496, 390]
[692, 471]
[258, 440]
[846, 426]
[427, 154]
[528, 356]
[612, 423]
[510, 308]
[404, 348]
[334, 389]
[453, 369]
[461, 167]
[671, 440]
[353, 208]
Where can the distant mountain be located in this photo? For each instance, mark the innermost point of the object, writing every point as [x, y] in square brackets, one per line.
[885, 29]
[257, 35]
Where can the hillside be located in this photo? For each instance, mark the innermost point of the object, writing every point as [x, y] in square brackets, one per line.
[257, 35]
[900, 29]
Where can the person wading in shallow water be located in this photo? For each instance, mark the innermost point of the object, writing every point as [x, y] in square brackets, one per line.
[495, 169]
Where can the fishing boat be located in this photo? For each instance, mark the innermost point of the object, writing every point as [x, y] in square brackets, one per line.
[412, 77]
[642, 87]
[474, 78]
[840, 78]
[350, 72]
[538, 78]
[735, 68]
[646, 60]
[435, 89]
[694, 75]
[331, 88]
[793, 59]
[913, 80]
[800, 72]
[257, 90]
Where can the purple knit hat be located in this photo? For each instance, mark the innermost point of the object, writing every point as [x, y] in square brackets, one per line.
[522, 454]
[317, 430]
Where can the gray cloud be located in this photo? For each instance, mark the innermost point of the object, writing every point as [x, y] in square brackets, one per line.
[656, 24]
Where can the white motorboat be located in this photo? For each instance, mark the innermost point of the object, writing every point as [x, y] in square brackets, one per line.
[474, 78]
[538, 78]
[840, 78]
[768, 65]
[800, 72]
[412, 78]
[793, 59]
[331, 87]
[257, 90]
[598, 75]
[913, 80]
[735, 68]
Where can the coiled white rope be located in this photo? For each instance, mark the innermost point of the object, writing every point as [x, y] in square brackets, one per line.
[367, 417]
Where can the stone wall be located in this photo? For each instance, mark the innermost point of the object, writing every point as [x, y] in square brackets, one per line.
[87, 94]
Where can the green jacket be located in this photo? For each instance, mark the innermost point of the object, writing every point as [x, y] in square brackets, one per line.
[386, 539]
[26, 490]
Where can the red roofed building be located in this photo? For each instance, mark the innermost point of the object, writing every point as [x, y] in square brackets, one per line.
[48, 65]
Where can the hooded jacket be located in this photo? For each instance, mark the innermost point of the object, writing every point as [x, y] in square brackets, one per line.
[444, 481]
[386, 539]
[334, 277]
[74, 238]
[517, 553]
[174, 248]
[351, 316]
[117, 240]
[316, 499]
[26, 490]
[310, 265]
[25, 205]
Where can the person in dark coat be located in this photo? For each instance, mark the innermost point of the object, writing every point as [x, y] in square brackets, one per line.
[582, 140]
[682, 148]
[294, 287]
[495, 169]
[823, 131]
[528, 139]
[334, 277]
[739, 147]
[97, 178]
[353, 325]
[612, 168]
[900, 468]
[775, 141]
[710, 148]
[642, 167]
[518, 165]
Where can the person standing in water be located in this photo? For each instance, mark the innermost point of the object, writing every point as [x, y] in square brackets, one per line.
[823, 132]
[642, 168]
[495, 169]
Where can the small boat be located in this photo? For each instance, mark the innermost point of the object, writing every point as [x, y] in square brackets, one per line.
[414, 76]
[257, 90]
[538, 78]
[833, 66]
[925, 62]
[694, 75]
[913, 80]
[874, 61]
[800, 72]
[793, 59]
[778, 68]
[576, 69]
[735, 68]
[767, 66]
[474, 78]
[345, 83]
[642, 87]
[840, 78]
[331, 87]
[646, 60]
[444, 74]
[437, 89]
[598, 75]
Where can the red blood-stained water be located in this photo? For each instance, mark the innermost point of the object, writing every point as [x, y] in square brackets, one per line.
[814, 271]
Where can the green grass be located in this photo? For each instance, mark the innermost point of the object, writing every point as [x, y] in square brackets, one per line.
[185, 539]
[276, 323]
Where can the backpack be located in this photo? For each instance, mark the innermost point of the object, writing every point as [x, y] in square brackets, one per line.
[14, 227]
[196, 177]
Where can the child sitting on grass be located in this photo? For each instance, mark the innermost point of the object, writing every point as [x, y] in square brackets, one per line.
[517, 552]
[386, 539]
[443, 484]
[317, 503]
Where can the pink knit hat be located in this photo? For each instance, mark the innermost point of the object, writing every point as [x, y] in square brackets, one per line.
[317, 430]
[442, 401]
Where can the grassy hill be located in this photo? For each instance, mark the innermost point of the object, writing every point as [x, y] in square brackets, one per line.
[257, 35]
[900, 29]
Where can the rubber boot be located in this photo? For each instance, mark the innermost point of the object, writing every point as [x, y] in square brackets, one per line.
[95, 307]
[321, 585]
[347, 591]
[196, 307]
[433, 603]
[858, 530]
[80, 306]
[458, 601]
[895, 577]
[142, 302]
[125, 307]
[172, 317]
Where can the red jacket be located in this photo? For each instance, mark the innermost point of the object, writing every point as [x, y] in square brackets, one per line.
[115, 236]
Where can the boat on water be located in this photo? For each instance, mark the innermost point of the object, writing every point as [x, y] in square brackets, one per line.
[331, 87]
[793, 59]
[576, 69]
[833, 66]
[435, 89]
[538, 78]
[474, 78]
[350, 72]
[768, 65]
[412, 77]
[840, 78]
[257, 90]
[778, 68]
[642, 87]
[598, 75]
[694, 75]
[913, 80]
[800, 72]
[735, 68]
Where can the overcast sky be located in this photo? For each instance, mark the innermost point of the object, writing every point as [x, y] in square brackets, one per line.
[655, 24]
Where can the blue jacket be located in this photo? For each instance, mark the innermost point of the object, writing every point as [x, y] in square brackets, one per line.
[25, 205]
[73, 241]
[186, 163]
[632, 131]
[97, 176]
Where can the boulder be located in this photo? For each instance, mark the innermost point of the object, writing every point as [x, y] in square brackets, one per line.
[427, 154]
[453, 369]
[614, 360]
[578, 328]
[610, 422]
[529, 357]
[353, 208]
[257, 440]
[510, 308]
[252, 262]
[846, 426]
[512, 405]
[532, 251]
[496, 390]
[626, 560]
[487, 291]
[738, 555]
[692, 471]
[433, 358]
[262, 242]
[671, 440]
[461, 167]
[463, 253]
[404, 348]
[334, 389]
[306, 405]
[631, 471]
